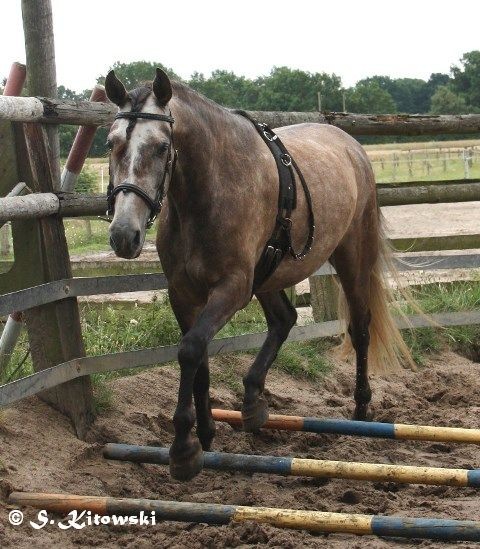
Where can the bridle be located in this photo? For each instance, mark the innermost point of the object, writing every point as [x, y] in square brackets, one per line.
[154, 204]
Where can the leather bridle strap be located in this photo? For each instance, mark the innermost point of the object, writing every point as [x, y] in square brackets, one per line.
[132, 115]
[155, 204]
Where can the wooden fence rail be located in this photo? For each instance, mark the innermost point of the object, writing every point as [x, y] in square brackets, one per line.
[54, 111]
[40, 205]
[102, 285]
[73, 369]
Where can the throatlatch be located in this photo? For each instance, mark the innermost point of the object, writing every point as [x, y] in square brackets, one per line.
[280, 243]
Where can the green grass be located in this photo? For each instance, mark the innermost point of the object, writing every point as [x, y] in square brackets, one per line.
[84, 236]
[423, 165]
[306, 359]
[109, 329]
[442, 298]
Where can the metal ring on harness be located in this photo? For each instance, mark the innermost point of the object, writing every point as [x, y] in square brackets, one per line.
[269, 136]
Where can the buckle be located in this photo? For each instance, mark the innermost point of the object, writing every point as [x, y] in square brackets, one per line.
[151, 221]
[285, 222]
[269, 136]
[286, 159]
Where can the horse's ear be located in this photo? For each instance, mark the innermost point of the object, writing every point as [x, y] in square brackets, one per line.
[115, 90]
[162, 87]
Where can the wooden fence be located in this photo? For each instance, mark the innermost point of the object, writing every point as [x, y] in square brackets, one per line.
[30, 211]
[40, 281]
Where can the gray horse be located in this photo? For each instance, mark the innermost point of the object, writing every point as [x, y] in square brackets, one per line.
[219, 212]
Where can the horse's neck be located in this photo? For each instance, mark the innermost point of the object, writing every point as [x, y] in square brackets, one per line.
[206, 136]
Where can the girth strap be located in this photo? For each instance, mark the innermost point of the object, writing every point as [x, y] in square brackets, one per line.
[280, 243]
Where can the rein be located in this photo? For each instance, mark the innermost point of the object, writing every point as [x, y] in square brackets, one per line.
[155, 204]
[280, 243]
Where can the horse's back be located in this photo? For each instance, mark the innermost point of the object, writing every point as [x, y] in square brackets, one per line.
[340, 180]
[332, 155]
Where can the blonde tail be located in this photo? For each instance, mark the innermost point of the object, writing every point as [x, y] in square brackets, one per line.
[388, 351]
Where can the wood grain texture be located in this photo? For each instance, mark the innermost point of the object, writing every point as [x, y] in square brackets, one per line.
[54, 111]
[54, 330]
[82, 205]
[41, 69]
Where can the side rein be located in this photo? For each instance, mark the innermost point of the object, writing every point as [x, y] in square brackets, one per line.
[155, 204]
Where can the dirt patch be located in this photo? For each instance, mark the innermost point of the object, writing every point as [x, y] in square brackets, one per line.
[40, 453]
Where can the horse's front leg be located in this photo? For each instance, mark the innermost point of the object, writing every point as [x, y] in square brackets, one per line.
[186, 313]
[232, 294]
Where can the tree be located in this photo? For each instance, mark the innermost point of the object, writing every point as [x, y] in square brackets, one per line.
[445, 101]
[369, 97]
[67, 93]
[226, 88]
[411, 95]
[286, 89]
[134, 73]
[466, 78]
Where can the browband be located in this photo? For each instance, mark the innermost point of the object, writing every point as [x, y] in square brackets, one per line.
[147, 115]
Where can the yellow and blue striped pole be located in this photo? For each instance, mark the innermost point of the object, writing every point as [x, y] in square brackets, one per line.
[372, 429]
[219, 461]
[315, 521]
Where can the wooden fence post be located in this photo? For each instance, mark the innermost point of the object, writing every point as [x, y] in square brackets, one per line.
[323, 297]
[41, 70]
[54, 330]
[5, 240]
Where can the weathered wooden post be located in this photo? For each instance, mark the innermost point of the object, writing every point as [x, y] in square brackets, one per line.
[323, 297]
[13, 326]
[13, 86]
[81, 146]
[40, 53]
[54, 330]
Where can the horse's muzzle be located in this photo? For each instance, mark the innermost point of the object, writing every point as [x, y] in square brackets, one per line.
[125, 240]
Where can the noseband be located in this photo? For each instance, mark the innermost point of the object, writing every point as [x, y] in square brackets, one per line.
[154, 204]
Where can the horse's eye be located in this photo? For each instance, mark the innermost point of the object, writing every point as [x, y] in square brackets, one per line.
[109, 144]
[162, 147]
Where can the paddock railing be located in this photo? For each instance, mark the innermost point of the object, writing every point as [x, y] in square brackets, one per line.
[36, 207]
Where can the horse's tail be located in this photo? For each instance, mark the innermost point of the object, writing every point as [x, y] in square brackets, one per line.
[388, 351]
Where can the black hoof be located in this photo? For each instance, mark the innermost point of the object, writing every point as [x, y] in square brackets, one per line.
[254, 416]
[362, 413]
[186, 464]
[206, 436]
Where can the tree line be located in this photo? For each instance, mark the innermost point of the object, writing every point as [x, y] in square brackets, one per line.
[286, 89]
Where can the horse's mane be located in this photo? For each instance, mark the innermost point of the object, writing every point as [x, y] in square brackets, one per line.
[139, 95]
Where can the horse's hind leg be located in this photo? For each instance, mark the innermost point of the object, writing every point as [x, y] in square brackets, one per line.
[353, 260]
[280, 316]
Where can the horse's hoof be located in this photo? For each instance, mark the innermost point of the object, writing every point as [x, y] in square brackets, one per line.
[255, 416]
[206, 436]
[187, 464]
[362, 413]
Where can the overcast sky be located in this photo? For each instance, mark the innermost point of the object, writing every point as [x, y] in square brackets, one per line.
[353, 38]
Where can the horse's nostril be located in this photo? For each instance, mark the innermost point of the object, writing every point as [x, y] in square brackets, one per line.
[136, 239]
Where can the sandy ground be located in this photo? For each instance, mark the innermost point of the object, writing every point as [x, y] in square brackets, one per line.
[417, 220]
[39, 452]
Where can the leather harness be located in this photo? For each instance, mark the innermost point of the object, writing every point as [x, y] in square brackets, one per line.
[280, 243]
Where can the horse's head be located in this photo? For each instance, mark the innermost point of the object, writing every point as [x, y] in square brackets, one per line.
[142, 158]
